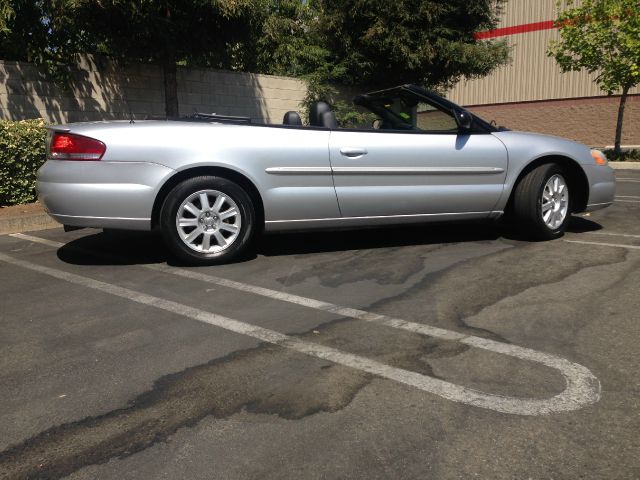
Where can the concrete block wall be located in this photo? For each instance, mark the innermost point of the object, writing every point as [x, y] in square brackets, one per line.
[262, 97]
[102, 90]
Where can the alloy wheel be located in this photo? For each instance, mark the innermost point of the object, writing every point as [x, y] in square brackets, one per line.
[208, 221]
[555, 202]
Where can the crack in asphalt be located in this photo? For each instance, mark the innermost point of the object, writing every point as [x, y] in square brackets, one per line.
[357, 267]
[464, 289]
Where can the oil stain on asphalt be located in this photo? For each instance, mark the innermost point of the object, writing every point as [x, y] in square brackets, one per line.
[264, 380]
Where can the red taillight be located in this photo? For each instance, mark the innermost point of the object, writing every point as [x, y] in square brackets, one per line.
[67, 146]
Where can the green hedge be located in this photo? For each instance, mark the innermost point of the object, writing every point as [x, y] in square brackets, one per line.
[625, 156]
[22, 152]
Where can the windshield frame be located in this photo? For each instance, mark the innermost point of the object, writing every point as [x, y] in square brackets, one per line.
[369, 101]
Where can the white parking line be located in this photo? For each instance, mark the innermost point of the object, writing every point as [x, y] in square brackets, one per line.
[632, 247]
[613, 234]
[628, 196]
[617, 200]
[628, 180]
[582, 387]
[42, 241]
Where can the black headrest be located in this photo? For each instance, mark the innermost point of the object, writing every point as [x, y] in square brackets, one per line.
[329, 120]
[292, 118]
[316, 112]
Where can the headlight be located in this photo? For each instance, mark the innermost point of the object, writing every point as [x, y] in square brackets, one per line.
[599, 157]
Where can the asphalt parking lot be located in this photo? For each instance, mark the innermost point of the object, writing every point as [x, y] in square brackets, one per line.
[437, 352]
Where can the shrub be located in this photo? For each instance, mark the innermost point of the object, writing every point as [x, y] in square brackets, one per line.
[625, 156]
[22, 152]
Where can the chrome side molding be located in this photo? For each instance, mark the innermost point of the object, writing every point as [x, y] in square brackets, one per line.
[417, 170]
[299, 170]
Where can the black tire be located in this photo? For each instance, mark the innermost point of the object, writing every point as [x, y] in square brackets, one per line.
[527, 203]
[170, 229]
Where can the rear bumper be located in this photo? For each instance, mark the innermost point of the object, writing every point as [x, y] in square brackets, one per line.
[100, 194]
[602, 186]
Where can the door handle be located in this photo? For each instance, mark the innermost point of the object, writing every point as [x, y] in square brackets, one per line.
[353, 152]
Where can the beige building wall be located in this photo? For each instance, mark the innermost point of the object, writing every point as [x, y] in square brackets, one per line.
[531, 75]
[100, 90]
[531, 93]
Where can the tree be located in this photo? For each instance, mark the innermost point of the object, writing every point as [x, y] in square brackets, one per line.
[602, 37]
[165, 32]
[23, 34]
[290, 44]
[38, 31]
[6, 14]
[372, 43]
[169, 32]
[429, 42]
[287, 43]
[377, 44]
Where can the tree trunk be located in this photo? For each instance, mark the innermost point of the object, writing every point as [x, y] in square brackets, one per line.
[169, 71]
[623, 101]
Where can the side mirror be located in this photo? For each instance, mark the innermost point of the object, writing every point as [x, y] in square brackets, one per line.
[464, 119]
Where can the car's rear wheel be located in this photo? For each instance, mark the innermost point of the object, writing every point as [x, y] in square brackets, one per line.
[207, 220]
[542, 202]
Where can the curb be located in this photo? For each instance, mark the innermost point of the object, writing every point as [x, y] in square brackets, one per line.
[625, 165]
[27, 223]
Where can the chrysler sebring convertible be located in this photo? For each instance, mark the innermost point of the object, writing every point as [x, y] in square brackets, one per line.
[211, 183]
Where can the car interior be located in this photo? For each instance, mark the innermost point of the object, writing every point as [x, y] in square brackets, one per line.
[407, 108]
[320, 115]
[399, 111]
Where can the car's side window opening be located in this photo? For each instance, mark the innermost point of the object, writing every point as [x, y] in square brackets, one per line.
[400, 112]
[395, 110]
[429, 118]
[407, 108]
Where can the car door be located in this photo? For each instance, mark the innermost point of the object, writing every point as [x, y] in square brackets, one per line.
[433, 171]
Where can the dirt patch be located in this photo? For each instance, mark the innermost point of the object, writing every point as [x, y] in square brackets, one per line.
[18, 210]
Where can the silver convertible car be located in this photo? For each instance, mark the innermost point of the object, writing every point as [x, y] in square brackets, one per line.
[211, 183]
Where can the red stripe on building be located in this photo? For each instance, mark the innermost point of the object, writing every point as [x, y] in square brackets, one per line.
[527, 27]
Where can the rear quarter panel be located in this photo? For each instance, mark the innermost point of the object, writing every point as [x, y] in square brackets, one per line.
[248, 150]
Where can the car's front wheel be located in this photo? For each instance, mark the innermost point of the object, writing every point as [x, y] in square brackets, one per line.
[207, 220]
[542, 202]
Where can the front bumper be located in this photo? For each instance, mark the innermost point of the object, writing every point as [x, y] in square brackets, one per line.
[101, 194]
[602, 186]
